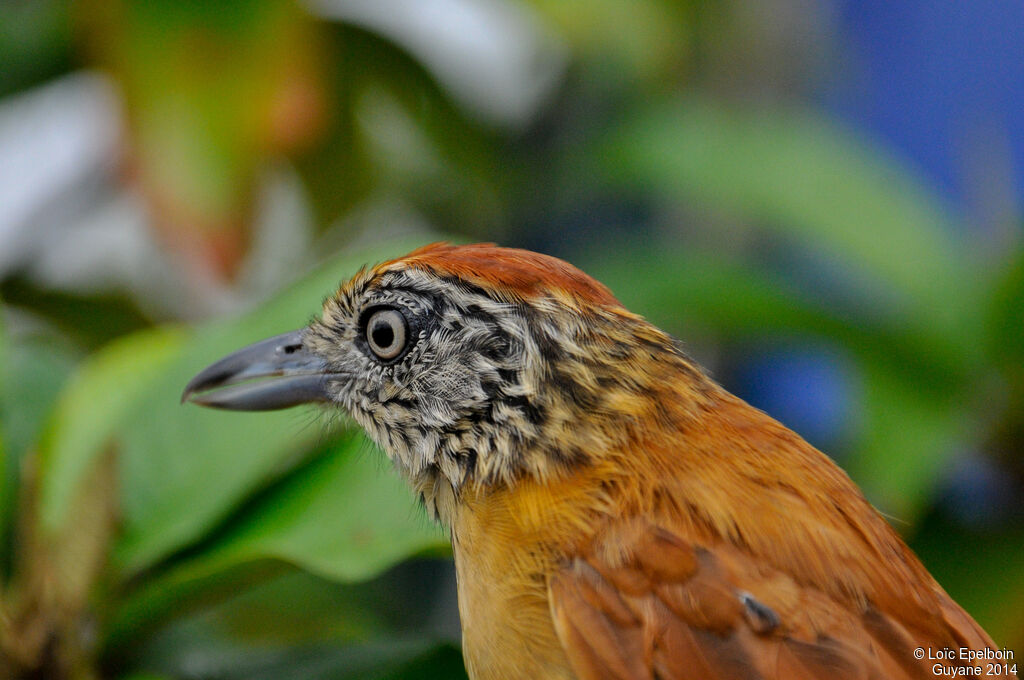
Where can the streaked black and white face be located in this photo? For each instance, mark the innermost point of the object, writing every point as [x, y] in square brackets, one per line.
[443, 376]
[460, 380]
[436, 371]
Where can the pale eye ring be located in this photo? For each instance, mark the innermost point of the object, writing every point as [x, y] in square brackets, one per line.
[387, 333]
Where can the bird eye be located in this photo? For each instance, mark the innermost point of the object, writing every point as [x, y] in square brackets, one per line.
[386, 333]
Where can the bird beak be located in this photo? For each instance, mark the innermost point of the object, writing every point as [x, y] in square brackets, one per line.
[291, 375]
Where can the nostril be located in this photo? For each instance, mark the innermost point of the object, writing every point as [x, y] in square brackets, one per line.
[291, 349]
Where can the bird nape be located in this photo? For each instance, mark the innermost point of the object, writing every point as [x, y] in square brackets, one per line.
[613, 512]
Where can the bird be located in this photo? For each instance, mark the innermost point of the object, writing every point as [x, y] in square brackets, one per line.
[614, 513]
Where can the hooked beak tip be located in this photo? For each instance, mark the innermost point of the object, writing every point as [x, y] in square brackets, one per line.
[276, 373]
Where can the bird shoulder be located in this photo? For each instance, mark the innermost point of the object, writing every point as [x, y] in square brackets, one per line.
[732, 548]
[644, 602]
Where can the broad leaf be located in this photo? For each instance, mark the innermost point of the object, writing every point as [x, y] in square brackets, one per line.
[286, 616]
[911, 434]
[738, 300]
[32, 370]
[343, 516]
[393, 659]
[987, 580]
[92, 408]
[176, 456]
[801, 176]
[6, 475]
[1005, 336]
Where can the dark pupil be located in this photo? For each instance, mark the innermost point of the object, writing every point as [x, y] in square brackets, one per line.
[382, 334]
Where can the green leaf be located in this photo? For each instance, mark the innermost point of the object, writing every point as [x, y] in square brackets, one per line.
[388, 660]
[6, 473]
[374, 520]
[35, 43]
[1005, 326]
[740, 300]
[799, 175]
[442, 662]
[911, 435]
[36, 369]
[183, 468]
[201, 134]
[640, 40]
[342, 516]
[32, 371]
[983, 572]
[396, 659]
[91, 409]
[290, 609]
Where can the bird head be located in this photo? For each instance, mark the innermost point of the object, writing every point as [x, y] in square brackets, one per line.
[465, 364]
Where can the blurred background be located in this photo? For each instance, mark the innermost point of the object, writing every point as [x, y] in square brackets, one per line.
[822, 198]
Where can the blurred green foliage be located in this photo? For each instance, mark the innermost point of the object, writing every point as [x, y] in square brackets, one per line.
[143, 539]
